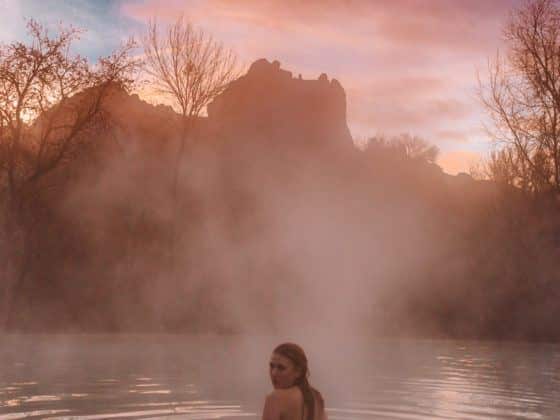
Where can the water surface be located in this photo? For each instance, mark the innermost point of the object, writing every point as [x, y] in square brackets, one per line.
[205, 377]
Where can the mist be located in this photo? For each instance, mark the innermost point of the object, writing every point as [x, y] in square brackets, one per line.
[279, 224]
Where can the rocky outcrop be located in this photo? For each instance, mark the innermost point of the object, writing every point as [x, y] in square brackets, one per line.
[269, 105]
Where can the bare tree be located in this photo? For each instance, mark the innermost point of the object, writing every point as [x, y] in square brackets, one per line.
[522, 97]
[415, 147]
[50, 102]
[404, 146]
[49, 98]
[502, 166]
[189, 67]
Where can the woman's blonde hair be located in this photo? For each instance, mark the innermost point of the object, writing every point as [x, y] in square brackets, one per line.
[296, 354]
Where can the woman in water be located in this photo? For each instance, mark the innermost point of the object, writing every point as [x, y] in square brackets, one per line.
[293, 398]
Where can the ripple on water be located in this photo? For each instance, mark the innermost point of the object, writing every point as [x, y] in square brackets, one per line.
[438, 380]
[388, 412]
[156, 391]
[34, 413]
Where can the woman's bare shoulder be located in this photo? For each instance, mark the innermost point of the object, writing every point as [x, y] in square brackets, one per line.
[286, 394]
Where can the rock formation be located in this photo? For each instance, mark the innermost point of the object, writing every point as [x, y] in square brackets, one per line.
[269, 105]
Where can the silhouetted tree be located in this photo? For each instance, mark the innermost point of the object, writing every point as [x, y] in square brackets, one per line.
[522, 97]
[50, 101]
[404, 146]
[188, 66]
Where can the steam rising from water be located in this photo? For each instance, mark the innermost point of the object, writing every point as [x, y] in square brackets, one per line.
[296, 250]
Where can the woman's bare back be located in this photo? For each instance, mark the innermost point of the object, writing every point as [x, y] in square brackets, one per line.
[287, 404]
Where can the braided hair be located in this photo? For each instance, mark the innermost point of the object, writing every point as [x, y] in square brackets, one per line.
[296, 354]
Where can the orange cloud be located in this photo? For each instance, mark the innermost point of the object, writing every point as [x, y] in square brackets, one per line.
[458, 161]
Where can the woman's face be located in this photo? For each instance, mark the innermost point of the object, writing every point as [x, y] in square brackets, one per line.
[283, 372]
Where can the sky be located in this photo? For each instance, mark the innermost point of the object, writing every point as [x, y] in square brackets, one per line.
[408, 66]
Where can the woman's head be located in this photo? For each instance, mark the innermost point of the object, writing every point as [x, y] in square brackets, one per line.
[288, 366]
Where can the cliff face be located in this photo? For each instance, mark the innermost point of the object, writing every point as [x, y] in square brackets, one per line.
[269, 105]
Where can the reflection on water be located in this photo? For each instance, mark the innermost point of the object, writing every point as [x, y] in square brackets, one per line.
[98, 377]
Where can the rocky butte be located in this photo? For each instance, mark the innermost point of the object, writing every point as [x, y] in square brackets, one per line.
[271, 105]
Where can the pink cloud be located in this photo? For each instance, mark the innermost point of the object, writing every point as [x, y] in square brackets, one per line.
[459, 136]
[407, 65]
[397, 117]
[410, 22]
